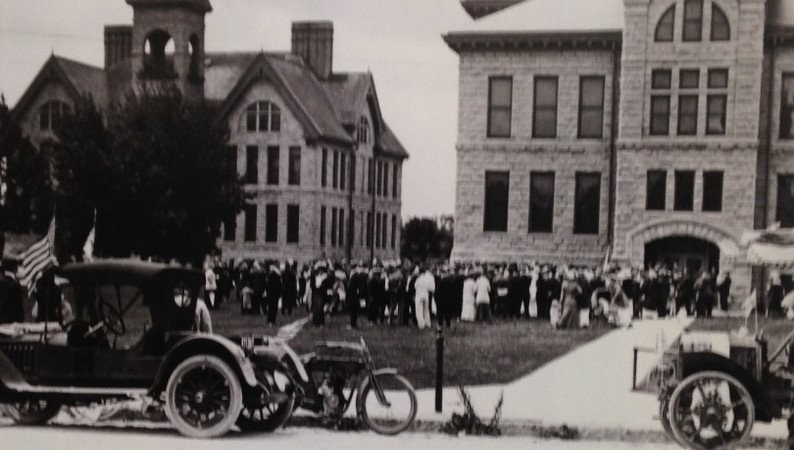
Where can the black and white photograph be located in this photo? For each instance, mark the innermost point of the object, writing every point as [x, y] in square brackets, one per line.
[397, 224]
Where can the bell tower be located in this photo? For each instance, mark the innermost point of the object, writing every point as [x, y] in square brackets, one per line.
[168, 44]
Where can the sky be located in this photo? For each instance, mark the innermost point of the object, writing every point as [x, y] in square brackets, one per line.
[399, 41]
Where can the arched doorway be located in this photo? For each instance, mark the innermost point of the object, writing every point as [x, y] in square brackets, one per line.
[683, 252]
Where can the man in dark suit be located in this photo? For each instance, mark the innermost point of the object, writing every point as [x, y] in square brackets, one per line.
[356, 291]
[289, 289]
[273, 294]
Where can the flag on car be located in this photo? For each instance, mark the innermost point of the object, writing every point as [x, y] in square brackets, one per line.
[88, 247]
[37, 258]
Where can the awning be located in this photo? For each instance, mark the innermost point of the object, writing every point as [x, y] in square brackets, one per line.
[774, 248]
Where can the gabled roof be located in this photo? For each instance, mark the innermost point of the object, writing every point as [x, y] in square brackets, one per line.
[199, 5]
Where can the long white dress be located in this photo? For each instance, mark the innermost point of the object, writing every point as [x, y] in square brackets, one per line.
[468, 312]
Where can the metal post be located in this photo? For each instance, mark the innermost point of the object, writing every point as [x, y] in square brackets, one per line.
[634, 371]
[439, 367]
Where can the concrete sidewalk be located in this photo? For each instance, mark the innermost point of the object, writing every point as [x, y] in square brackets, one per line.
[588, 388]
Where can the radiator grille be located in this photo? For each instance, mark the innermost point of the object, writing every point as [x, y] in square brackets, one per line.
[21, 355]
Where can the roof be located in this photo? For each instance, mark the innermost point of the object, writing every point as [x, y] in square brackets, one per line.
[199, 5]
[479, 8]
[126, 271]
[222, 71]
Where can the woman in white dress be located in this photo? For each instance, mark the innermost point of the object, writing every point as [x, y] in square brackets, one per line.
[468, 311]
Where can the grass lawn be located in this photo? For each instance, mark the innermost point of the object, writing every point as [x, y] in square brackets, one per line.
[498, 352]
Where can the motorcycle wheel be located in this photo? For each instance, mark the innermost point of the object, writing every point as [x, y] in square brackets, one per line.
[270, 416]
[395, 417]
[32, 412]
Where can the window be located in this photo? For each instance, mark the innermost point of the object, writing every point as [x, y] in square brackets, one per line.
[230, 229]
[541, 202]
[712, 191]
[324, 168]
[687, 114]
[353, 161]
[684, 190]
[252, 164]
[720, 29]
[587, 203]
[785, 200]
[294, 175]
[787, 106]
[664, 28]
[716, 101]
[51, 113]
[322, 226]
[500, 106]
[394, 232]
[351, 233]
[689, 78]
[718, 78]
[369, 230]
[385, 179]
[272, 164]
[271, 223]
[544, 114]
[293, 223]
[341, 239]
[335, 171]
[370, 173]
[693, 20]
[361, 228]
[334, 217]
[660, 102]
[497, 188]
[250, 222]
[362, 130]
[394, 176]
[263, 116]
[342, 170]
[378, 225]
[661, 79]
[656, 190]
[591, 107]
[384, 230]
[379, 179]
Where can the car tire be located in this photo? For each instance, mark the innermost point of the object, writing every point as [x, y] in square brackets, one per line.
[203, 397]
[32, 412]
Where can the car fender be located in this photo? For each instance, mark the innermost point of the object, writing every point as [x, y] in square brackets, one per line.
[366, 380]
[200, 343]
[766, 407]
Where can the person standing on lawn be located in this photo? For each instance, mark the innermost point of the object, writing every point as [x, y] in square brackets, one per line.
[724, 289]
[357, 291]
[376, 293]
[482, 297]
[469, 310]
[289, 288]
[273, 294]
[425, 287]
[445, 297]
[410, 295]
[320, 289]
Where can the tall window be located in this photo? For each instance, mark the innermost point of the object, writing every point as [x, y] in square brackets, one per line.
[500, 106]
[370, 178]
[497, 189]
[720, 28]
[322, 226]
[51, 113]
[693, 20]
[294, 176]
[324, 168]
[342, 170]
[394, 180]
[541, 202]
[272, 164]
[252, 164]
[369, 230]
[684, 190]
[712, 191]
[385, 179]
[353, 162]
[250, 222]
[656, 190]
[379, 179]
[271, 223]
[660, 102]
[393, 231]
[351, 233]
[716, 101]
[334, 218]
[263, 116]
[341, 239]
[689, 82]
[591, 107]
[293, 223]
[587, 203]
[335, 171]
[665, 26]
[378, 225]
[785, 200]
[787, 106]
[544, 113]
[362, 130]
[384, 230]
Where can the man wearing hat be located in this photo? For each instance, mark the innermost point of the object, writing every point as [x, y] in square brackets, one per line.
[376, 293]
[321, 287]
[445, 297]
[289, 288]
[357, 291]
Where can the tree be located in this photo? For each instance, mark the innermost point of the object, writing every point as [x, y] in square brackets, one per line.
[156, 169]
[421, 239]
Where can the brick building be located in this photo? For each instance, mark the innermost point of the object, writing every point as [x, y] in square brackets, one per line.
[656, 130]
[310, 143]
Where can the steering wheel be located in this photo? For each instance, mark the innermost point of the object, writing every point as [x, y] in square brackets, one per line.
[111, 318]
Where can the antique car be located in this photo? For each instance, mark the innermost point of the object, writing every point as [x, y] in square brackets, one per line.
[121, 329]
[714, 385]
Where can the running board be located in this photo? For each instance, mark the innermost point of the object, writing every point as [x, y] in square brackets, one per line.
[125, 392]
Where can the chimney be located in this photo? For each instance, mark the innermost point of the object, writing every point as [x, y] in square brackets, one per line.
[314, 42]
[118, 44]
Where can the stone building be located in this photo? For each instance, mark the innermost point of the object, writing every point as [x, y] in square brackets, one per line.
[310, 143]
[652, 130]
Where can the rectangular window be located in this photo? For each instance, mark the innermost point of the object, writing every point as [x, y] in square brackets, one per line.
[497, 189]
[322, 226]
[361, 227]
[369, 230]
[335, 171]
[342, 170]
[384, 231]
[324, 168]
[379, 179]
[718, 78]
[341, 239]
[693, 20]
[785, 200]
[656, 190]
[377, 230]
[660, 115]
[334, 218]
[787, 106]
[661, 79]
[272, 164]
[712, 191]
[544, 113]
[587, 203]
[715, 115]
[385, 179]
[251, 164]
[250, 222]
[689, 78]
[394, 179]
[294, 177]
[271, 223]
[394, 232]
[230, 229]
[687, 115]
[353, 163]
[370, 173]
[500, 106]
[684, 190]
[293, 223]
[591, 107]
[541, 202]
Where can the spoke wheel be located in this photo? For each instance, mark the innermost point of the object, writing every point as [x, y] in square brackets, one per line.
[664, 417]
[203, 397]
[271, 412]
[32, 412]
[711, 410]
[391, 418]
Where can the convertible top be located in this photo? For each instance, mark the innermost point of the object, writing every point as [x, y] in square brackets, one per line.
[128, 271]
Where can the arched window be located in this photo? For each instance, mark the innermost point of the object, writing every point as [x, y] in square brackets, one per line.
[665, 26]
[158, 55]
[362, 130]
[262, 116]
[50, 114]
[720, 28]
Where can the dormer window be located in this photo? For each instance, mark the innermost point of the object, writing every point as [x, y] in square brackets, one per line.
[665, 27]
[720, 28]
[51, 113]
[262, 117]
[362, 130]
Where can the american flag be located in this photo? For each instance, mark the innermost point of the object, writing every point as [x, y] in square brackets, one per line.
[37, 258]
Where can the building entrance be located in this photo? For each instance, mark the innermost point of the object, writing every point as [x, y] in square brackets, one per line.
[679, 252]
